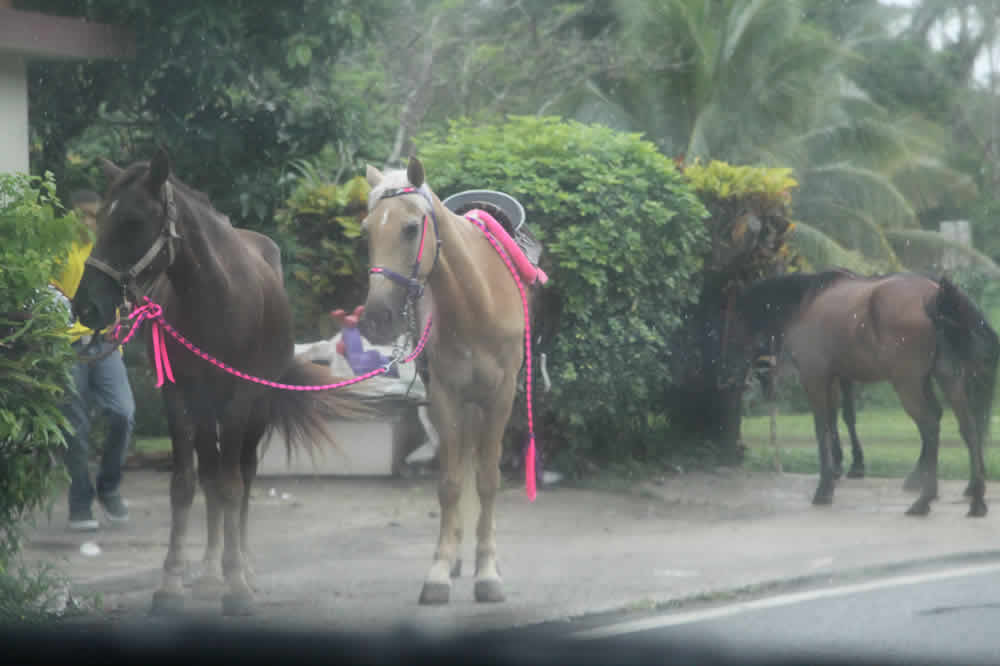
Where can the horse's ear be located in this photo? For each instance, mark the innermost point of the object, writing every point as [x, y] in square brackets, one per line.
[159, 170]
[110, 169]
[373, 175]
[415, 172]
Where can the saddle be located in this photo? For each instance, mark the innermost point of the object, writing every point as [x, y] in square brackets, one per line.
[506, 210]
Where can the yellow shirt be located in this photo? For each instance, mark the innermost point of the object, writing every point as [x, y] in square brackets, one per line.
[69, 281]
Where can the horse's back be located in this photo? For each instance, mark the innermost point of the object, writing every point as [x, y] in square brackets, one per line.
[902, 299]
[869, 328]
[265, 247]
[895, 298]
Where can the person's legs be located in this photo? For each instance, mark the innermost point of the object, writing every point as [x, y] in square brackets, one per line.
[76, 454]
[109, 382]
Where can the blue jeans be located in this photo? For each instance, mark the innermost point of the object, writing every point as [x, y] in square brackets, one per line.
[105, 382]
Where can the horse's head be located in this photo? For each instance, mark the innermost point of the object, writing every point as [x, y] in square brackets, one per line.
[403, 244]
[136, 232]
[740, 344]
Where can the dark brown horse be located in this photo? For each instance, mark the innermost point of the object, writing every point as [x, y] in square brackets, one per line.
[222, 288]
[902, 328]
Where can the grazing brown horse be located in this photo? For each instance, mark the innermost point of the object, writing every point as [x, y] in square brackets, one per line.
[902, 328]
[475, 350]
[222, 288]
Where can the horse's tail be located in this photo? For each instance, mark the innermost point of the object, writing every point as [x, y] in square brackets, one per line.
[302, 417]
[965, 337]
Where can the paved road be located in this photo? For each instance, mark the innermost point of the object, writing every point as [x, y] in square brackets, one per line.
[939, 616]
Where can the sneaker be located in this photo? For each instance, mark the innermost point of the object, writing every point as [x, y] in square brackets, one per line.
[424, 454]
[82, 521]
[115, 507]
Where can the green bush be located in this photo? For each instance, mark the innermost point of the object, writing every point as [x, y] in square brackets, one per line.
[326, 258]
[35, 353]
[623, 238]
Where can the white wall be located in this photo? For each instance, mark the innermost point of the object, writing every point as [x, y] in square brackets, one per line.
[13, 114]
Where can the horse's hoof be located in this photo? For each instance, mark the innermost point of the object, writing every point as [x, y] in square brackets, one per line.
[489, 591]
[913, 483]
[167, 603]
[977, 509]
[435, 594]
[823, 499]
[856, 472]
[921, 507]
[237, 603]
[456, 568]
[208, 588]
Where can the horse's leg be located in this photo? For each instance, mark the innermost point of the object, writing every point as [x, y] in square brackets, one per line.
[489, 586]
[836, 452]
[238, 599]
[959, 400]
[248, 464]
[821, 398]
[448, 419]
[917, 396]
[857, 470]
[914, 481]
[209, 584]
[170, 596]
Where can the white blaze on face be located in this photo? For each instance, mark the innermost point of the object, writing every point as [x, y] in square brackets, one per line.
[385, 218]
[111, 208]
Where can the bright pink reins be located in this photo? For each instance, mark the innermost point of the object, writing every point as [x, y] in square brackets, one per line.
[153, 312]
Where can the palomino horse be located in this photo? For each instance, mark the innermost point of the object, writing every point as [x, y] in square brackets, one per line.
[901, 328]
[475, 350]
[222, 288]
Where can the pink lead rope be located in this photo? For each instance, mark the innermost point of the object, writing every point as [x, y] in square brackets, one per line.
[530, 482]
[154, 313]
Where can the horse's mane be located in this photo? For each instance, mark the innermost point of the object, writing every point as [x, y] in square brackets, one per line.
[767, 305]
[135, 171]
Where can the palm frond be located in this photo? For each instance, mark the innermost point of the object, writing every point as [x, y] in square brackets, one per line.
[860, 189]
[920, 249]
[822, 252]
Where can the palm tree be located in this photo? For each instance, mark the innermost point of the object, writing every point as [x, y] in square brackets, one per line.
[753, 81]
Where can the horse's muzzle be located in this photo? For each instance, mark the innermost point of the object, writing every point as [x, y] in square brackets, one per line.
[95, 300]
[376, 324]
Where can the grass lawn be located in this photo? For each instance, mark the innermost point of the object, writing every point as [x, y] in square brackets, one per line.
[877, 426]
[151, 445]
[889, 438]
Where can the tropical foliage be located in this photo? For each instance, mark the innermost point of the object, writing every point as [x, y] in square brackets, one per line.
[35, 353]
[748, 228]
[327, 257]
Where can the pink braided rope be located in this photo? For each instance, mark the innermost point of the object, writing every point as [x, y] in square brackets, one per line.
[529, 463]
[153, 312]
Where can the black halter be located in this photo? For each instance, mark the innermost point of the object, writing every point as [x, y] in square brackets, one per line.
[168, 234]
